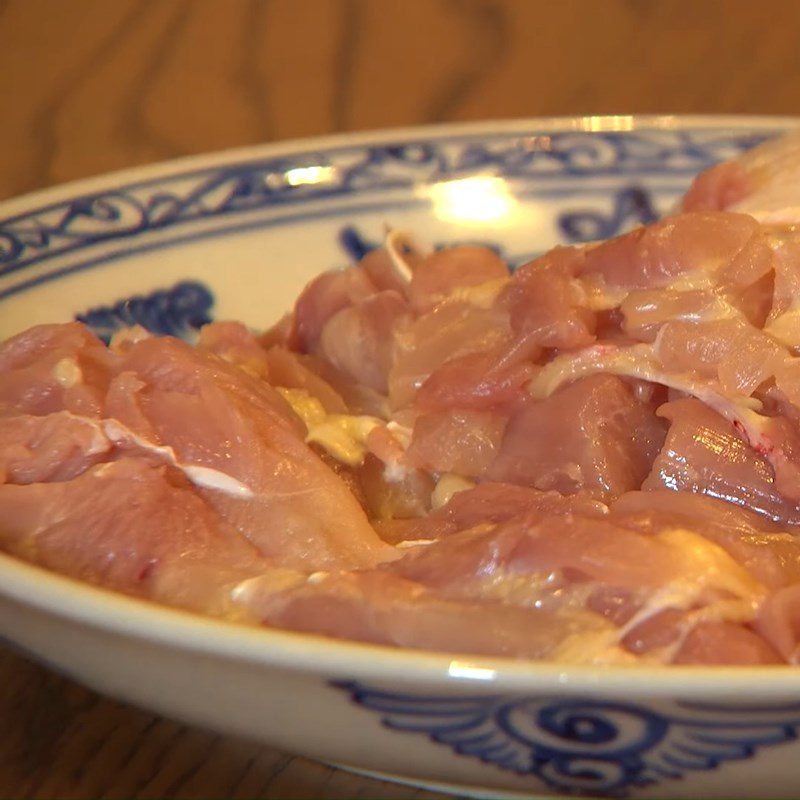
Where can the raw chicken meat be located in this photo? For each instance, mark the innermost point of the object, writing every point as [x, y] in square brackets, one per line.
[592, 459]
[592, 436]
[762, 183]
[386, 609]
[54, 368]
[130, 525]
[229, 431]
[704, 454]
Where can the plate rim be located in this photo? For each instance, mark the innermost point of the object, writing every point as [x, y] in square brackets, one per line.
[605, 123]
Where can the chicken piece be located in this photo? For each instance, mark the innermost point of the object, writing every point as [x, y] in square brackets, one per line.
[763, 182]
[690, 247]
[443, 274]
[386, 609]
[492, 381]
[234, 343]
[54, 368]
[358, 340]
[463, 442]
[592, 436]
[214, 415]
[769, 552]
[136, 527]
[703, 453]
[548, 306]
[56, 447]
[451, 330]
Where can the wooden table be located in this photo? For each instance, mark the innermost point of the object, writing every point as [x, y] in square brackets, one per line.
[93, 85]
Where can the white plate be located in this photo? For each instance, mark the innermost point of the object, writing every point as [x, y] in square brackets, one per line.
[236, 235]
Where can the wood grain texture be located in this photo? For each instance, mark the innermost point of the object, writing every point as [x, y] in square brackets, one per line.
[92, 85]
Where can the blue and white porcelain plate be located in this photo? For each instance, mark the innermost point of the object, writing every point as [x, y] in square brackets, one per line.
[236, 235]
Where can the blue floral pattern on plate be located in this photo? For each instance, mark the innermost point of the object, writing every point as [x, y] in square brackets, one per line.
[179, 311]
[168, 202]
[583, 746]
[632, 205]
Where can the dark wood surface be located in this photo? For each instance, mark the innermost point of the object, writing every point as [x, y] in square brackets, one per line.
[92, 85]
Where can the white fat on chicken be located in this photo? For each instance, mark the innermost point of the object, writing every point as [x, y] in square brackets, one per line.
[640, 361]
[481, 295]
[408, 544]
[786, 327]
[108, 432]
[68, 372]
[124, 339]
[600, 297]
[448, 485]
[100, 443]
[397, 244]
[343, 436]
[204, 477]
[596, 295]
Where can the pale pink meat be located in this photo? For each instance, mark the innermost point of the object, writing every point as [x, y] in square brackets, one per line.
[719, 188]
[358, 339]
[647, 311]
[779, 622]
[481, 381]
[728, 644]
[442, 273]
[709, 643]
[740, 290]
[753, 262]
[594, 458]
[786, 248]
[780, 445]
[233, 342]
[132, 526]
[321, 299]
[657, 255]
[547, 305]
[56, 447]
[383, 273]
[386, 609]
[737, 355]
[492, 503]
[755, 301]
[461, 562]
[769, 553]
[569, 563]
[703, 453]
[214, 415]
[596, 549]
[762, 182]
[499, 502]
[451, 330]
[53, 368]
[461, 441]
[654, 508]
[584, 563]
[590, 436]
